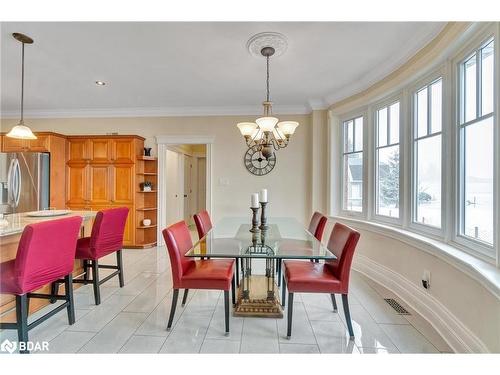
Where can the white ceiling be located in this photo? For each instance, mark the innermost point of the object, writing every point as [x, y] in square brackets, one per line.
[168, 68]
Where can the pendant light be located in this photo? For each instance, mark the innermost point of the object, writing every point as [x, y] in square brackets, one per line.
[21, 131]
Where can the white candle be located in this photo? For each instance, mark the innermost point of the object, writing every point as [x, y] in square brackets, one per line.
[255, 200]
[263, 195]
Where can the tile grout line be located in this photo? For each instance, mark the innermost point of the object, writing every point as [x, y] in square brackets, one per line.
[210, 322]
[312, 329]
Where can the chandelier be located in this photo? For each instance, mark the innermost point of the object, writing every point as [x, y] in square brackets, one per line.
[267, 133]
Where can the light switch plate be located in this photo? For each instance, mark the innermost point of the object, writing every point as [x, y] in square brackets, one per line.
[223, 181]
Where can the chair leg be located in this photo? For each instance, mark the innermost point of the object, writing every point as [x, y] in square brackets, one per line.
[22, 319]
[334, 302]
[278, 267]
[68, 286]
[226, 310]
[54, 290]
[290, 312]
[345, 303]
[86, 270]
[175, 296]
[237, 273]
[95, 281]
[119, 263]
[233, 289]
[185, 297]
[283, 291]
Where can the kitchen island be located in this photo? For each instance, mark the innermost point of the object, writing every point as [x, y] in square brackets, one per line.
[10, 234]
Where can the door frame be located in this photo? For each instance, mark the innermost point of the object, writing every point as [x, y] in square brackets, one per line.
[163, 141]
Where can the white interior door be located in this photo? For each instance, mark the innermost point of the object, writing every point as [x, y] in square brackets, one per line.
[188, 188]
[202, 184]
[173, 191]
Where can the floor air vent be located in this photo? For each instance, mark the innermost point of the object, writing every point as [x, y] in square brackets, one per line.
[396, 306]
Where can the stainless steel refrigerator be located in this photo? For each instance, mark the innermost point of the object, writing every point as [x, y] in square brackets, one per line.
[24, 182]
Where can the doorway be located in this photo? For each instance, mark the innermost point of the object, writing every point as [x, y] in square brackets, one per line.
[184, 177]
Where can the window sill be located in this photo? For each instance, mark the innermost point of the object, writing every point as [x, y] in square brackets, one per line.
[483, 272]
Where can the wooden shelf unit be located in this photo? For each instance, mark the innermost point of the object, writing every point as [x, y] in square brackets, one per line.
[146, 201]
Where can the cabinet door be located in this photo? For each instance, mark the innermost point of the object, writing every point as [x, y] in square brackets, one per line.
[100, 184]
[41, 144]
[78, 150]
[123, 184]
[123, 151]
[100, 150]
[77, 177]
[14, 145]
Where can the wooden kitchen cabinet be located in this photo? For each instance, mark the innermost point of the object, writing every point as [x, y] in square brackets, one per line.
[41, 144]
[100, 150]
[78, 150]
[77, 184]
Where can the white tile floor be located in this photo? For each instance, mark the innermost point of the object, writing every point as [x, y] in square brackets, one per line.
[133, 320]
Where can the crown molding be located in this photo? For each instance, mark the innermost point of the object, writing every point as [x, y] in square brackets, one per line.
[157, 112]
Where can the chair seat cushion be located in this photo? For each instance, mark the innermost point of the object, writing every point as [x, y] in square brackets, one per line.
[8, 283]
[209, 274]
[83, 250]
[307, 277]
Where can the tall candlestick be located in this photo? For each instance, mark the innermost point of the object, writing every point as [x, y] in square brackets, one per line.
[263, 195]
[263, 217]
[255, 220]
[255, 200]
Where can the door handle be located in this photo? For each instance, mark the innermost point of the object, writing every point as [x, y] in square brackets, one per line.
[185, 196]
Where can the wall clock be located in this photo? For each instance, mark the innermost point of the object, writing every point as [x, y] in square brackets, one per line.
[256, 164]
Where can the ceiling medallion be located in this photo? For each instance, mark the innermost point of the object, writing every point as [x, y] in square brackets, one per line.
[268, 39]
[267, 134]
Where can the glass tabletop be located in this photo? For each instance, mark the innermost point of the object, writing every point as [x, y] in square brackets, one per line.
[285, 238]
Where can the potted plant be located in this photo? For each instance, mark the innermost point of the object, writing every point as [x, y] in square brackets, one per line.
[147, 186]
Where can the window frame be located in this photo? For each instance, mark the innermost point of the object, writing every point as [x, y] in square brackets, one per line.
[433, 231]
[477, 248]
[348, 117]
[387, 102]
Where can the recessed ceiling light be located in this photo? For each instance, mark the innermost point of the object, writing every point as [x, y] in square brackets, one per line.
[100, 83]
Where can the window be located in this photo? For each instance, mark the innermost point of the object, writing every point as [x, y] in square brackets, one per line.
[352, 164]
[387, 161]
[428, 107]
[476, 137]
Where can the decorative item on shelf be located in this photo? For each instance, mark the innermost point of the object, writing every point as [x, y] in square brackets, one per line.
[263, 202]
[147, 186]
[146, 222]
[267, 133]
[21, 131]
[147, 151]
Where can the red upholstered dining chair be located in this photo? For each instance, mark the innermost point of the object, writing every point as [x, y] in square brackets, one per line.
[106, 238]
[203, 223]
[188, 273]
[330, 277]
[46, 253]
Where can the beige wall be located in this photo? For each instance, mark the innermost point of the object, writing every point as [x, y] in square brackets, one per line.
[289, 191]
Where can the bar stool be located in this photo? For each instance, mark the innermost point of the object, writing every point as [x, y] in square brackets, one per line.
[106, 238]
[46, 253]
[188, 273]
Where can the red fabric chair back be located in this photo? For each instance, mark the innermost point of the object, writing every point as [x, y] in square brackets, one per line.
[107, 231]
[178, 241]
[342, 243]
[203, 223]
[317, 225]
[46, 252]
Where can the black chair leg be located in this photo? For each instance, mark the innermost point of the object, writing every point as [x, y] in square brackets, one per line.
[226, 310]
[119, 263]
[68, 286]
[86, 270]
[22, 320]
[334, 302]
[290, 312]
[233, 289]
[54, 290]
[278, 266]
[237, 274]
[95, 282]
[175, 296]
[283, 291]
[345, 303]
[185, 297]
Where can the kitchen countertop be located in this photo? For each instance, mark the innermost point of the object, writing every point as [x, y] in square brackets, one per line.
[17, 222]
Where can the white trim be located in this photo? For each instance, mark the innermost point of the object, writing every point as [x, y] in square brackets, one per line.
[163, 141]
[483, 272]
[460, 338]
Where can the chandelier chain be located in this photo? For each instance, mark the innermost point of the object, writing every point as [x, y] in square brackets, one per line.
[267, 78]
[22, 86]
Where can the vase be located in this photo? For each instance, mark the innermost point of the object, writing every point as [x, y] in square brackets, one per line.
[147, 151]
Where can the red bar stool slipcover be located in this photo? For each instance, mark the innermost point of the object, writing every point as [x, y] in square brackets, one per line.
[106, 238]
[45, 254]
[330, 277]
[188, 273]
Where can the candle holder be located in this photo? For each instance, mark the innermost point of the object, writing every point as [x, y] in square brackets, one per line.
[263, 217]
[255, 220]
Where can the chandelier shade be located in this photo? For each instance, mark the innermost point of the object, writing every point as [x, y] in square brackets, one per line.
[21, 132]
[287, 127]
[247, 129]
[267, 123]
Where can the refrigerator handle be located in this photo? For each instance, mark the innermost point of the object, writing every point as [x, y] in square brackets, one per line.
[14, 182]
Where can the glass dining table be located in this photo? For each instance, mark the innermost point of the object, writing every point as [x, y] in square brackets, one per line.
[260, 254]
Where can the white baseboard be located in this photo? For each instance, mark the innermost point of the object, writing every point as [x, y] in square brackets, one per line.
[460, 338]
